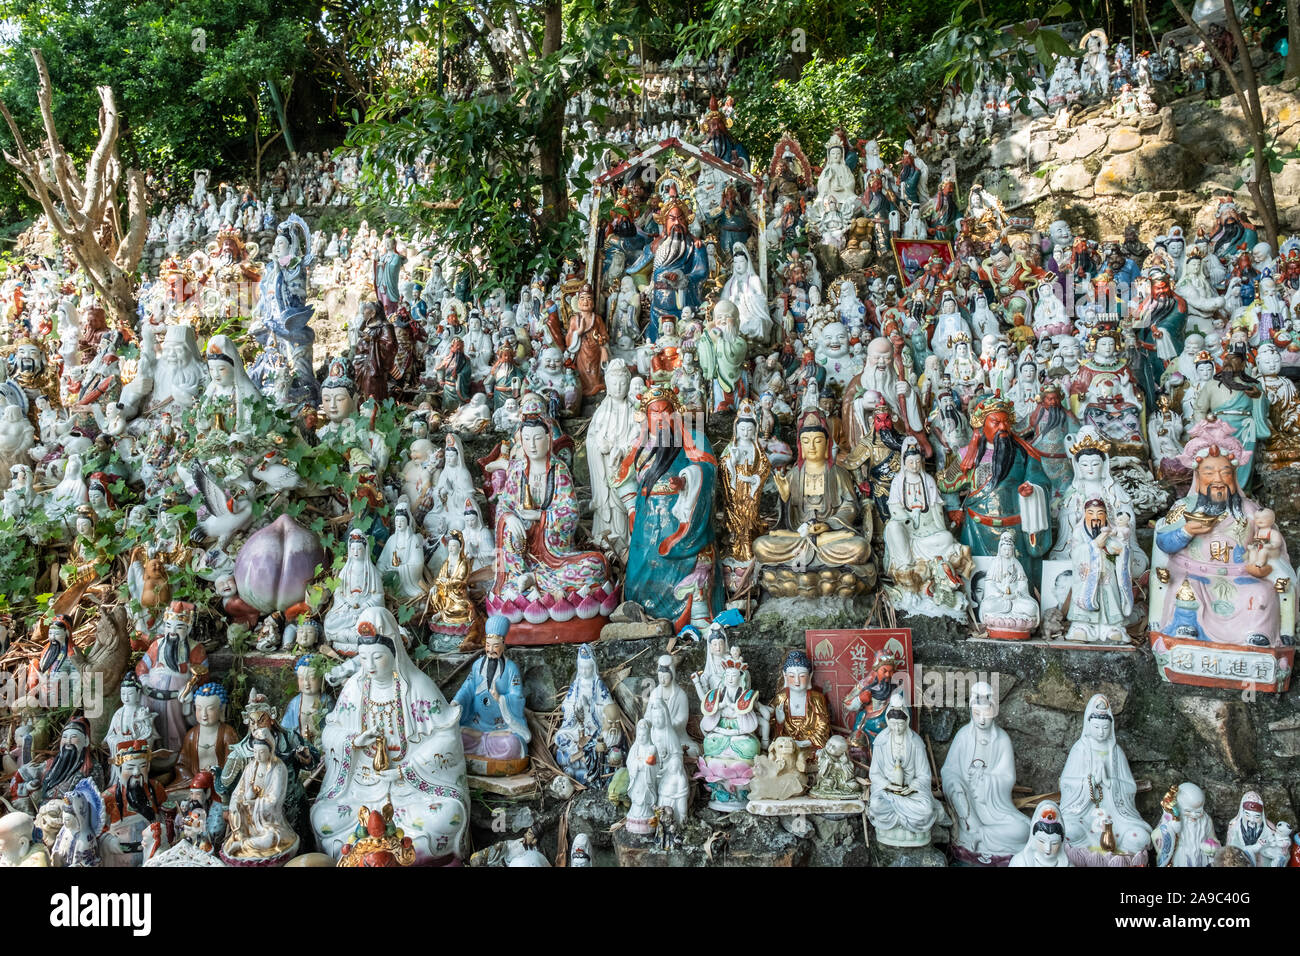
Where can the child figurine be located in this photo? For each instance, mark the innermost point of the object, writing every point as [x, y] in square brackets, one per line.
[1267, 546]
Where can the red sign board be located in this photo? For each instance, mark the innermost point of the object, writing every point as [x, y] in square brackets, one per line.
[841, 658]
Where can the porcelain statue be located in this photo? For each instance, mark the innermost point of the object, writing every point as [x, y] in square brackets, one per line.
[1097, 778]
[393, 737]
[1046, 846]
[673, 519]
[836, 779]
[902, 809]
[819, 516]
[549, 590]
[1185, 834]
[259, 833]
[494, 731]
[730, 721]
[781, 773]
[979, 774]
[800, 712]
[1007, 609]
[577, 741]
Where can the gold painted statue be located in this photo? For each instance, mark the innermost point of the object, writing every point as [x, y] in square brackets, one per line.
[819, 508]
[744, 470]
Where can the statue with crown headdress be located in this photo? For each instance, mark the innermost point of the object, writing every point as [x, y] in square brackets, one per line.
[681, 264]
[1222, 602]
[676, 577]
[550, 591]
[817, 543]
[1002, 485]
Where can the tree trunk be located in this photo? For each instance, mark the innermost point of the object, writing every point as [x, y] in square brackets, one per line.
[550, 141]
[1246, 88]
[1292, 38]
[82, 208]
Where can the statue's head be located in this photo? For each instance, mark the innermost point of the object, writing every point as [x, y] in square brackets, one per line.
[1047, 831]
[983, 705]
[797, 671]
[129, 691]
[1099, 722]
[814, 441]
[309, 676]
[726, 314]
[897, 715]
[1007, 546]
[535, 437]
[732, 675]
[1191, 802]
[15, 835]
[665, 673]
[210, 704]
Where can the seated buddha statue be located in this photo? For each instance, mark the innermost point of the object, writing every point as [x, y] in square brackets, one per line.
[819, 509]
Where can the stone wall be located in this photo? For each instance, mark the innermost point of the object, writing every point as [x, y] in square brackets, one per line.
[1101, 173]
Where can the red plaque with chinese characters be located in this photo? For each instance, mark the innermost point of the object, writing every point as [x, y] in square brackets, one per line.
[843, 658]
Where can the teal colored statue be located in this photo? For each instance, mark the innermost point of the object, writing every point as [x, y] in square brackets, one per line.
[672, 570]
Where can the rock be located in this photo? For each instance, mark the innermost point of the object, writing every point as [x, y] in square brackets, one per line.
[648, 630]
[1168, 129]
[519, 785]
[1224, 725]
[1124, 139]
[1288, 86]
[1057, 691]
[1153, 166]
[1012, 150]
[1286, 185]
[1086, 141]
[1072, 178]
[882, 855]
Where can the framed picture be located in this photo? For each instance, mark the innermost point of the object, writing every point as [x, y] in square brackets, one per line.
[1058, 579]
[841, 658]
[911, 255]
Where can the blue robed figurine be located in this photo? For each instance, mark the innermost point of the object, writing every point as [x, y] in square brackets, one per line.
[492, 724]
[672, 569]
[681, 263]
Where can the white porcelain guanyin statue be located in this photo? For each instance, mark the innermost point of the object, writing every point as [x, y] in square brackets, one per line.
[259, 833]
[360, 586]
[918, 544]
[902, 808]
[1046, 846]
[1008, 610]
[613, 432]
[1097, 778]
[745, 289]
[393, 737]
[836, 179]
[978, 776]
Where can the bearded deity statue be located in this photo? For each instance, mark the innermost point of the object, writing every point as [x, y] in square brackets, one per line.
[1002, 486]
[1222, 602]
[680, 265]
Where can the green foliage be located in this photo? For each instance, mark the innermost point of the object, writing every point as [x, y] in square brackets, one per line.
[185, 73]
[496, 194]
[868, 93]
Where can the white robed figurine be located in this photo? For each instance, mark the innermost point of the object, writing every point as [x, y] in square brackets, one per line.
[360, 586]
[1097, 776]
[902, 809]
[745, 289]
[403, 553]
[1046, 846]
[258, 828]
[392, 736]
[978, 776]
